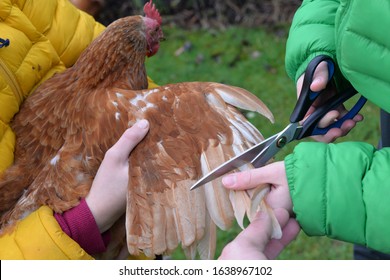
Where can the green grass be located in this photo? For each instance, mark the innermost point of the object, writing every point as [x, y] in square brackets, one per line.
[252, 59]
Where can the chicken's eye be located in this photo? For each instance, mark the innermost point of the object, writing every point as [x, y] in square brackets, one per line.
[155, 30]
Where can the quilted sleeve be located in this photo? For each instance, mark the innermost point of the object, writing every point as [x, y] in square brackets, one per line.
[77, 34]
[363, 48]
[342, 191]
[311, 34]
[39, 237]
[68, 29]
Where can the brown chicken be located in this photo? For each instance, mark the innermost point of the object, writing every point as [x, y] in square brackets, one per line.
[65, 127]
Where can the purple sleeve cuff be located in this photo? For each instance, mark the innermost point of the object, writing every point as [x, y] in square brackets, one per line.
[80, 225]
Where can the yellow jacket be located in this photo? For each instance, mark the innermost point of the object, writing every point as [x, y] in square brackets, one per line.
[45, 37]
[35, 53]
[39, 236]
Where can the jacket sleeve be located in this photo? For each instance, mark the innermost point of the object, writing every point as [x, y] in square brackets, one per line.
[39, 236]
[68, 29]
[312, 33]
[342, 191]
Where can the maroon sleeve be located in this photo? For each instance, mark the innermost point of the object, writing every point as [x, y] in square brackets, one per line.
[80, 225]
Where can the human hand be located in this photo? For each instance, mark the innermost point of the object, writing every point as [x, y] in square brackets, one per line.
[107, 197]
[273, 174]
[320, 80]
[255, 243]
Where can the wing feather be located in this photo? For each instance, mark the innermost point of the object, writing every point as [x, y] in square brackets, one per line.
[217, 197]
[194, 127]
[241, 98]
[193, 130]
[207, 244]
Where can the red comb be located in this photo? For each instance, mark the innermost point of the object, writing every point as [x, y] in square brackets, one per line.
[151, 12]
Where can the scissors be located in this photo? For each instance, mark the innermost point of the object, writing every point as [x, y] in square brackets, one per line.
[259, 154]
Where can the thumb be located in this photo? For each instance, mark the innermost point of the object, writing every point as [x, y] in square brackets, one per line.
[252, 241]
[258, 233]
[129, 139]
[320, 78]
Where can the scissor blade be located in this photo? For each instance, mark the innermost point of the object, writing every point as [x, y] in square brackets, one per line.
[246, 157]
[280, 140]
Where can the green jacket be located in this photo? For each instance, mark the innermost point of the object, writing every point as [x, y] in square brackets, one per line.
[342, 190]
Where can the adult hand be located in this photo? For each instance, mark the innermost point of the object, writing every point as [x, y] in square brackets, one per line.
[255, 243]
[107, 197]
[320, 80]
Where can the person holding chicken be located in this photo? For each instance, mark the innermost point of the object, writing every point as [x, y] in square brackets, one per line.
[80, 232]
[337, 190]
[33, 49]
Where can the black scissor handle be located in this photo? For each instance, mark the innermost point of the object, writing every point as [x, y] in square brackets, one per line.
[309, 126]
[307, 96]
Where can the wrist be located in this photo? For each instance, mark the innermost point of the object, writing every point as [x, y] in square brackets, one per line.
[105, 211]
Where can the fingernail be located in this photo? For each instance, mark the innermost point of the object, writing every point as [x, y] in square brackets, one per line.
[143, 124]
[229, 181]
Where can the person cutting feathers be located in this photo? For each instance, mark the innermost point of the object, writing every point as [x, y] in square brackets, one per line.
[337, 190]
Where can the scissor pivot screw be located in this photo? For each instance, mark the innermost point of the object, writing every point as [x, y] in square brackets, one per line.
[282, 141]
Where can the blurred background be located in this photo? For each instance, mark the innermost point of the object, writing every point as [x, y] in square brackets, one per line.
[241, 43]
[192, 14]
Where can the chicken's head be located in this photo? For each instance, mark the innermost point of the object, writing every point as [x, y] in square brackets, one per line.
[154, 34]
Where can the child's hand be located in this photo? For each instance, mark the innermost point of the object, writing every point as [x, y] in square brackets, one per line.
[273, 174]
[320, 81]
[107, 197]
[255, 243]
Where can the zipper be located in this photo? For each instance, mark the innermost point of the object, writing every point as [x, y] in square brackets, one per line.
[11, 80]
